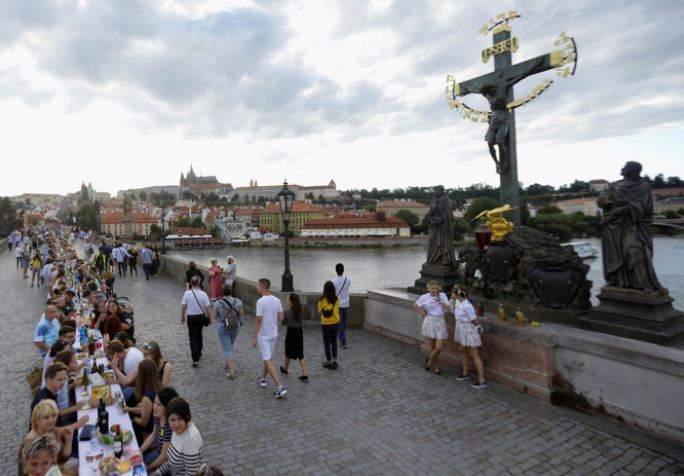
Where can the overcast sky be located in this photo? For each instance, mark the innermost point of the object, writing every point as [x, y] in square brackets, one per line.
[128, 93]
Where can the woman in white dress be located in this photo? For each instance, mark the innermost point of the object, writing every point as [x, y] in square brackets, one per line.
[466, 333]
[431, 308]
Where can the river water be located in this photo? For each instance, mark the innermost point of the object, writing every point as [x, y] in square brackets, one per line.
[374, 268]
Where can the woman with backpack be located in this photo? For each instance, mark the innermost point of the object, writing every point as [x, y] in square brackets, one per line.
[329, 309]
[228, 313]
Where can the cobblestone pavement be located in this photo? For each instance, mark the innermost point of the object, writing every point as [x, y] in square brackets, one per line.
[380, 413]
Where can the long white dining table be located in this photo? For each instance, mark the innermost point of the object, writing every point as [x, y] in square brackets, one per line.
[93, 449]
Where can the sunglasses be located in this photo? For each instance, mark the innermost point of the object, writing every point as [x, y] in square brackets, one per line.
[147, 346]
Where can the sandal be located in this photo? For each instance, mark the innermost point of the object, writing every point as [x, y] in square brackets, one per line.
[230, 376]
[437, 372]
[427, 361]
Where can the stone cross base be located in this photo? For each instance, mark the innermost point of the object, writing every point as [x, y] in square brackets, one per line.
[446, 276]
[636, 315]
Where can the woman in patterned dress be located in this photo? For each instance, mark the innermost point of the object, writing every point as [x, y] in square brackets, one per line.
[466, 333]
[431, 307]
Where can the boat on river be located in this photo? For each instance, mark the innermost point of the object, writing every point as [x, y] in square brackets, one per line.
[584, 249]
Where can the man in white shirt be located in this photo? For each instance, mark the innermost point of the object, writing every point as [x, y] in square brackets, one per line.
[197, 307]
[121, 256]
[342, 284]
[269, 312]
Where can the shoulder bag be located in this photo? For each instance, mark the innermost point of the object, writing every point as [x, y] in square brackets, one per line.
[205, 321]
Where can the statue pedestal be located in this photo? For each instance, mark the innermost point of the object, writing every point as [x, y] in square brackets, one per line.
[636, 315]
[446, 276]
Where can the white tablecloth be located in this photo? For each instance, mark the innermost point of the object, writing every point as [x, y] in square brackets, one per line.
[116, 416]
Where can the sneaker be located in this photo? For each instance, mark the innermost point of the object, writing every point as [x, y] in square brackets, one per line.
[334, 365]
[283, 370]
[327, 365]
[195, 364]
[280, 392]
[304, 378]
[463, 377]
[479, 385]
[261, 381]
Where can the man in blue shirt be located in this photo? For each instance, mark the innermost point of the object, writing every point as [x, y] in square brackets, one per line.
[47, 330]
[147, 258]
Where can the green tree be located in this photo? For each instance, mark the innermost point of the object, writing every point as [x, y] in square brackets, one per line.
[549, 210]
[143, 196]
[478, 206]
[409, 217]
[236, 198]
[461, 228]
[197, 222]
[215, 231]
[183, 222]
[8, 216]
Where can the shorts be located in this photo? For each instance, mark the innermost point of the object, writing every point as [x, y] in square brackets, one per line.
[266, 347]
[434, 327]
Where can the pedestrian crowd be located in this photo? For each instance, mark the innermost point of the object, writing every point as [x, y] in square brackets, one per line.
[168, 439]
[79, 300]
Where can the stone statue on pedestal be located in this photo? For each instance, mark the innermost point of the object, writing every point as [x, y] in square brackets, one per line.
[626, 241]
[441, 264]
[440, 220]
[633, 302]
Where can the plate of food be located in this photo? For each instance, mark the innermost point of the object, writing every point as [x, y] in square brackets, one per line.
[108, 439]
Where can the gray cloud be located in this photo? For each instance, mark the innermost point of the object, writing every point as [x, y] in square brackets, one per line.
[218, 74]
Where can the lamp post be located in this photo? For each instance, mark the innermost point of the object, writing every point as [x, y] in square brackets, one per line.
[286, 199]
[162, 201]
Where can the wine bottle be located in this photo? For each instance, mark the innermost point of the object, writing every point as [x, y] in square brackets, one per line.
[86, 381]
[93, 370]
[103, 418]
[118, 443]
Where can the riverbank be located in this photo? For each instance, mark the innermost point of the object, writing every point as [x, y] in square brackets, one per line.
[397, 242]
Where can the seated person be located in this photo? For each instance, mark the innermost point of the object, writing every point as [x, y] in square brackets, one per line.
[55, 377]
[47, 330]
[38, 456]
[44, 423]
[124, 362]
[155, 445]
[152, 351]
[139, 405]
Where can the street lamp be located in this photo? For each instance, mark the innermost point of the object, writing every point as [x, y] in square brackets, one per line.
[162, 201]
[286, 199]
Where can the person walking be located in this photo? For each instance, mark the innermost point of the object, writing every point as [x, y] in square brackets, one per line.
[329, 309]
[269, 311]
[431, 308]
[133, 260]
[294, 339]
[467, 335]
[228, 322]
[215, 279]
[25, 259]
[147, 259]
[193, 271]
[18, 250]
[196, 309]
[36, 268]
[230, 273]
[121, 256]
[342, 284]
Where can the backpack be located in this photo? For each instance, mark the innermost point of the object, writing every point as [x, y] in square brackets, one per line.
[230, 316]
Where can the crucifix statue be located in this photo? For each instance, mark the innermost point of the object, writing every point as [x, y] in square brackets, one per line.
[497, 88]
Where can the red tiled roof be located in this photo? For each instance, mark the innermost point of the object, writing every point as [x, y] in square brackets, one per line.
[187, 230]
[117, 217]
[370, 221]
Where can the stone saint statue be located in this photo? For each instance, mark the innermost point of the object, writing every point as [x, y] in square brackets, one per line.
[497, 95]
[626, 241]
[440, 220]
